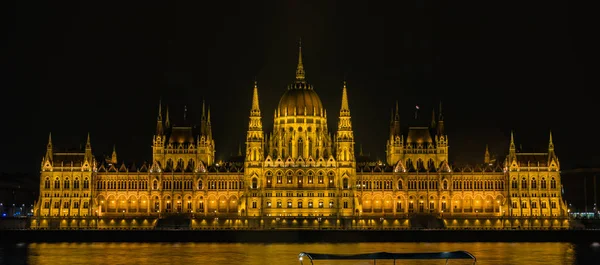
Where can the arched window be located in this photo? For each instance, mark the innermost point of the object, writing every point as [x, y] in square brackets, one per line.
[47, 183]
[553, 183]
[400, 184]
[155, 185]
[533, 183]
[514, 184]
[180, 164]
[191, 165]
[543, 183]
[76, 183]
[310, 148]
[66, 185]
[86, 183]
[523, 183]
[169, 164]
[199, 184]
[300, 147]
[274, 154]
[445, 185]
[254, 183]
[345, 183]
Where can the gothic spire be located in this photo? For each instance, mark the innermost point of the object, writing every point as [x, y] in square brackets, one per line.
[113, 158]
[512, 141]
[300, 75]
[159, 122]
[345, 109]
[550, 142]
[167, 121]
[255, 111]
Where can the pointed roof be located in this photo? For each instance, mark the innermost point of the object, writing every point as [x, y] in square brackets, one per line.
[300, 74]
[255, 111]
[345, 108]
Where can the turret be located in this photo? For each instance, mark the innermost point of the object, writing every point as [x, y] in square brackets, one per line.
[345, 136]
[394, 143]
[88, 151]
[255, 135]
[113, 157]
[486, 156]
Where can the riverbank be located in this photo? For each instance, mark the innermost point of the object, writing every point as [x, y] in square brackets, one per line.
[299, 236]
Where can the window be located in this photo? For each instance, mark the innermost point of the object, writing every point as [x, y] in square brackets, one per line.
[331, 204]
[523, 183]
[268, 204]
[345, 183]
[553, 183]
[320, 204]
[299, 204]
[279, 205]
[47, 183]
[533, 183]
[345, 205]
[524, 205]
[155, 185]
[399, 184]
[86, 183]
[289, 204]
[514, 184]
[269, 181]
[57, 184]
[254, 183]
[543, 183]
[254, 205]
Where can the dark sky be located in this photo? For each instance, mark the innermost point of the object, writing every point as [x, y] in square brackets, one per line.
[101, 67]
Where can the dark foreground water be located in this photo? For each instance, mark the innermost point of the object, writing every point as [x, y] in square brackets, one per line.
[275, 254]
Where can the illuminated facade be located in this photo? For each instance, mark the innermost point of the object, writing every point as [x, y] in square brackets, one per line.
[300, 170]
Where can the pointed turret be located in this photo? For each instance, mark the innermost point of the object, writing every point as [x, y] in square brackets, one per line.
[113, 157]
[159, 120]
[345, 135]
[167, 120]
[255, 135]
[49, 148]
[208, 125]
[486, 156]
[440, 123]
[300, 74]
[550, 143]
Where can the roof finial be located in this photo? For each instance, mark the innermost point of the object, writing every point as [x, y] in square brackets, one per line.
[550, 142]
[300, 75]
[512, 140]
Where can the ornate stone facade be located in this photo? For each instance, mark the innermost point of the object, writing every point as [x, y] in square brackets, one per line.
[300, 170]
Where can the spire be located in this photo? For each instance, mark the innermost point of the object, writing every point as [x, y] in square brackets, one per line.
[167, 122]
[88, 143]
[440, 122]
[159, 123]
[512, 141]
[433, 118]
[345, 124]
[255, 111]
[550, 142]
[345, 109]
[203, 118]
[113, 158]
[397, 115]
[48, 156]
[300, 75]
[159, 110]
[441, 117]
[49, 141]
[208, 116]
[486, 158]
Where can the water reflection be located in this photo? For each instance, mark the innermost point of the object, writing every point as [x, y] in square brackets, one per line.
[254, 254]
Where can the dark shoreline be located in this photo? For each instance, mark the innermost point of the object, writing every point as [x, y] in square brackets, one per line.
[299, 236]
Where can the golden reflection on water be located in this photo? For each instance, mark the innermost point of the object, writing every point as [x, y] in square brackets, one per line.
[275, 254]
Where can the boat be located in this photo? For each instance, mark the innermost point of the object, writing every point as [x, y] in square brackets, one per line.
[388, 256]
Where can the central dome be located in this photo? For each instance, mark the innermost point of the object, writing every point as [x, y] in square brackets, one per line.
[299, 100]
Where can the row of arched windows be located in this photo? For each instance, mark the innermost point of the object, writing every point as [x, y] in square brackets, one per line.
[66, 183]
[533, 182]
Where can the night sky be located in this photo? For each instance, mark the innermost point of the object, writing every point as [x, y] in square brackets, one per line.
[101, 68]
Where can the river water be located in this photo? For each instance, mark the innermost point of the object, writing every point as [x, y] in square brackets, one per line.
[275, 254]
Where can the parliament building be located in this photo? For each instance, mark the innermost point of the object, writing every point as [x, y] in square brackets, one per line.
[299, 174]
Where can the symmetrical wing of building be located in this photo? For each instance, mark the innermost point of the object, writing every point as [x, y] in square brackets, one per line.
[299, 169]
